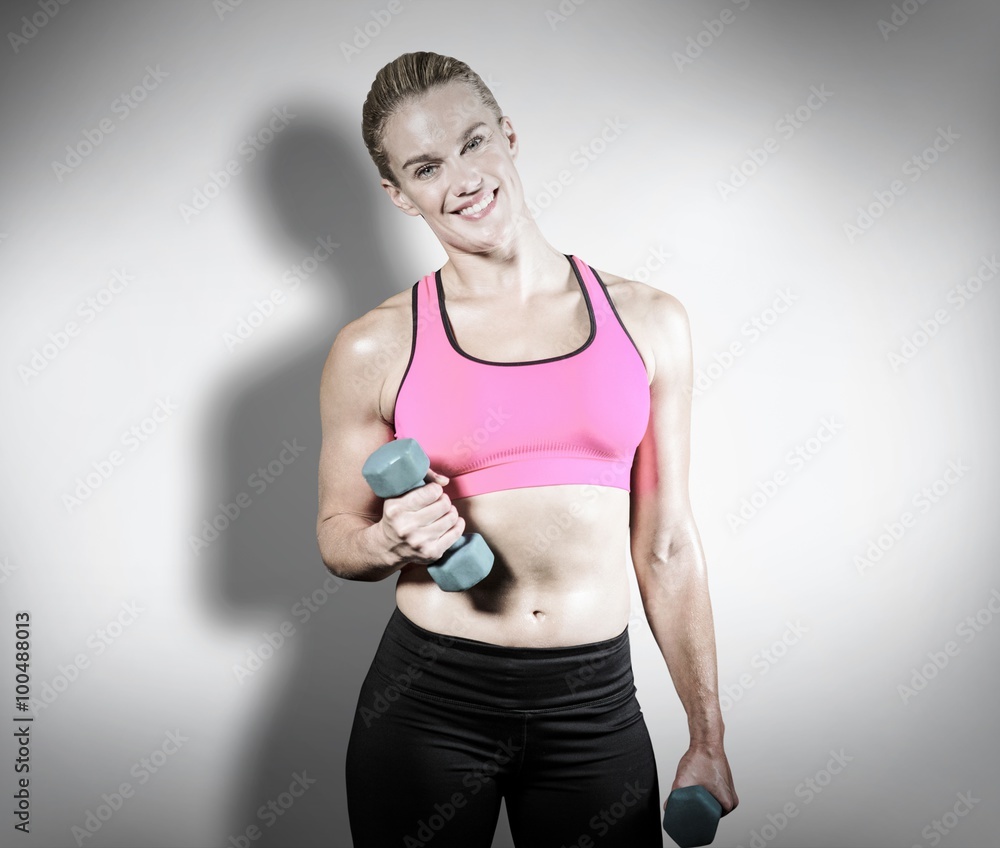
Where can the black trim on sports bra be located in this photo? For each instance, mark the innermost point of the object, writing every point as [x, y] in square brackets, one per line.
[619, 317]
[413, 348]
[458, 350]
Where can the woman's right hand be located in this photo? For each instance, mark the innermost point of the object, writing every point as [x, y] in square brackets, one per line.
[422, 524]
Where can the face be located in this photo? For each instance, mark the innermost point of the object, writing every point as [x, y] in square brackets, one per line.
[455, 168]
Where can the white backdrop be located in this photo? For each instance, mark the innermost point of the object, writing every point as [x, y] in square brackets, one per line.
[188, 217]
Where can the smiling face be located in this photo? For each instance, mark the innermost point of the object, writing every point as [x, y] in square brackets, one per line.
[455, 168]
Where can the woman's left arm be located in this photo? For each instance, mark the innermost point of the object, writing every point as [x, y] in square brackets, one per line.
[667, 553]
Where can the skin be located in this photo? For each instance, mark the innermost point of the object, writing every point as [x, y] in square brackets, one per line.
[512, 297]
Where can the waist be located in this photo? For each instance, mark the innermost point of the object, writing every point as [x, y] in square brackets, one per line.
[559, 576]
[436, 665]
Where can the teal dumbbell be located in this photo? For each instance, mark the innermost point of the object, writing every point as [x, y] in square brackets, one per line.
[400, 466]
[692, 816]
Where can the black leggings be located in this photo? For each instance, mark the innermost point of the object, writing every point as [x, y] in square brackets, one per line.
[445, 727]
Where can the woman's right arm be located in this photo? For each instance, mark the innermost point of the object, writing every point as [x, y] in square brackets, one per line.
[361, 536]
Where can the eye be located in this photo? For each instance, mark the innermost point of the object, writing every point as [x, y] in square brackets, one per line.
[424, 171]
[476, 140]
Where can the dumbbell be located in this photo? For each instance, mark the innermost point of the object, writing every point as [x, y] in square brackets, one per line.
[692, 816]
[400, 466]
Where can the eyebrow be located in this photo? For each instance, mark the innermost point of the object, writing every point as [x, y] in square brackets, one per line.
[430, 157]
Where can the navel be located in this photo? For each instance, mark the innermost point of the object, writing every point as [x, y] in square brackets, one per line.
[538, 614]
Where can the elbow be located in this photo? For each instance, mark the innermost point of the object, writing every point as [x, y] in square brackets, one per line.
[659, 544]
[669, 560]
[341, 570]
[329, 548]
[334, 567]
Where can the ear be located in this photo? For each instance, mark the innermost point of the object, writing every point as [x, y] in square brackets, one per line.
[507, 128]
[399, 199]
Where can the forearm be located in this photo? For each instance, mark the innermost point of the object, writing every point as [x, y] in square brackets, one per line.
[355, 548]
[679, 611]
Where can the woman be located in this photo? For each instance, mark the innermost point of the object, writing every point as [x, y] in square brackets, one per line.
[554, 404]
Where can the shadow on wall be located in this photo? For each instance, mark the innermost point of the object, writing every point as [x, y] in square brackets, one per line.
[313, 181]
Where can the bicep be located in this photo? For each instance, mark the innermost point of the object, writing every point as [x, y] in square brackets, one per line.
[660, 504]
[352, 428]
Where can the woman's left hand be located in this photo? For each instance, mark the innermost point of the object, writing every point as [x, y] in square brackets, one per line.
[706, 765]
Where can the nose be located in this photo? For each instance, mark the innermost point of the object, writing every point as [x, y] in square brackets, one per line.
[467, 178]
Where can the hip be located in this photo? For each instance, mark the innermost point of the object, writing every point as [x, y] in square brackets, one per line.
[412, 661]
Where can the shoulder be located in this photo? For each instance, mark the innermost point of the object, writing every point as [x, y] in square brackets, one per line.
[656, 319]
[365, 347]
[642, 298]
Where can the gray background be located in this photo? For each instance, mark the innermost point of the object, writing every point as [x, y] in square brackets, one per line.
[852, 634]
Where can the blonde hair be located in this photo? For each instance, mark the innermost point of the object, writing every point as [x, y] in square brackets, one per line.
[405, 78]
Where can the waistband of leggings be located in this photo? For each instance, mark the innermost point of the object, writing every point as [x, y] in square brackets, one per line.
[503, 677]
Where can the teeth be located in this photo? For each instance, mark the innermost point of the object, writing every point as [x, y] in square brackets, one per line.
[479, 207]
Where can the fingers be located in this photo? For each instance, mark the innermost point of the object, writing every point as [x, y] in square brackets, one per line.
[424, 521]
[734, 802]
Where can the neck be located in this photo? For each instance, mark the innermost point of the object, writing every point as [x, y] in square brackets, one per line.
[526, 266]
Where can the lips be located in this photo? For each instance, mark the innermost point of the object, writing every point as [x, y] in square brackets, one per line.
[472, 209]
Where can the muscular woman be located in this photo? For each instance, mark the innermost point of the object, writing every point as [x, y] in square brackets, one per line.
[553, 401]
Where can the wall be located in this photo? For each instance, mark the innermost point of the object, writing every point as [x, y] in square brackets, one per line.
[817, 184]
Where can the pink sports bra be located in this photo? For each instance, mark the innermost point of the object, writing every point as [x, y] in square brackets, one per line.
[576, 418]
